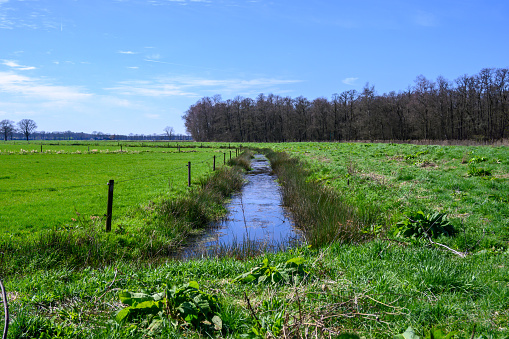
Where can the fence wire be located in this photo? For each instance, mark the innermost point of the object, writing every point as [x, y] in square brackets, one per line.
[91, 185]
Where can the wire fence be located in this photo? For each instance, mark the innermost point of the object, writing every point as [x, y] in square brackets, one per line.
[111, 182]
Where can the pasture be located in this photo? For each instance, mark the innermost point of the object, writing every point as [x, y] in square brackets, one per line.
[470, 184]
[377, 285]
[69, 181]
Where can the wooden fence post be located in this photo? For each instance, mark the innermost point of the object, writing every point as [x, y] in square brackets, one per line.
[41, 148]
[230, 155]
[110, 205]
[224, 158]
[214, 166]
[189, 174]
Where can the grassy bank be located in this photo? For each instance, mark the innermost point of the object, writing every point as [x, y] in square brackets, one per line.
[378, 290]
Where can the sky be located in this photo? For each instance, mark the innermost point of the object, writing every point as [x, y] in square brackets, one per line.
[136, 66]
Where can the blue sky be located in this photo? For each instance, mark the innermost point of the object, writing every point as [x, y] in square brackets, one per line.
[135, 66]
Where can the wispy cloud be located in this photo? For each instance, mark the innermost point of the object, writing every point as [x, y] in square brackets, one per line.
[16, 66]
[33, 88]
[349, 81]
[195, 87]
[127, 52]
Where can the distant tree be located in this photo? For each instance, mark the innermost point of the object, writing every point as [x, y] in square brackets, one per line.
[169, 131]
[27, 127]
[7, 128]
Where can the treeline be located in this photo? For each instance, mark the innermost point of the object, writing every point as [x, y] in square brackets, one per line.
[471, 107]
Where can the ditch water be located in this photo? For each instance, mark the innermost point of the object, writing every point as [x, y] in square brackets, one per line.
[256, 220]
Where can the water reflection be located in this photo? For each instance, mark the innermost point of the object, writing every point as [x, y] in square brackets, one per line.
[256, 218]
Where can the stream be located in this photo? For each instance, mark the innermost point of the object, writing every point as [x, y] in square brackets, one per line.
[255, 219]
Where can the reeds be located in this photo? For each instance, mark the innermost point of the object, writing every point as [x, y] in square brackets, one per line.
[319, 211]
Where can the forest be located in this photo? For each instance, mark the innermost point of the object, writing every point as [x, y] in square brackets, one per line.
[472, 107]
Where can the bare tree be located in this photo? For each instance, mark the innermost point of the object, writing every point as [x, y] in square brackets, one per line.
[169, 131]
[7, 128]
[27, 127]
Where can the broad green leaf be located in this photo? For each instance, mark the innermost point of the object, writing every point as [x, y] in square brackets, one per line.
[408, 334]
[194, 284]
[129, 298]
[296, 260]
[218, 323]
[123, 314]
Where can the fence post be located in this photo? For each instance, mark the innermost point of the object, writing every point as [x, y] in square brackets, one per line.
[120, 148]
[110, 205]
[214, 166]
[41, 148]
[230, 155]
[224, 158]
[189, 174]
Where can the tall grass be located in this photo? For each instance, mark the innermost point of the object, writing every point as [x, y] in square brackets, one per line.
[319, 211]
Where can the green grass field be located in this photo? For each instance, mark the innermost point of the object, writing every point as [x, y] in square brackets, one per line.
[468, 183]
[375, 287]
[49, 189]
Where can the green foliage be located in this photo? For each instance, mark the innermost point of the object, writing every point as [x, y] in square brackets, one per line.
[408, 334]
[184, 305]
[420, 224]
[292, 271]
[188, 304]
[477, 160]
[270, 321]
[26, 325]
[416, 155]
[434, 333]
[474, 171]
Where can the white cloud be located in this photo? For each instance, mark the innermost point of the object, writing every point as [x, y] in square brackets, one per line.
[15, 65]
[153, 57]
[24, 86]
[126, 52]
[195, 87]
[349, 81]
[133, 67]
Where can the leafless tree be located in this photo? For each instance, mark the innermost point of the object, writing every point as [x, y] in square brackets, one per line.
[7, 128]
[27, 127]
[472, 107]
[169, 131]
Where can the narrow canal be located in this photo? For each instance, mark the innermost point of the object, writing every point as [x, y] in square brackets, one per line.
[256, 217]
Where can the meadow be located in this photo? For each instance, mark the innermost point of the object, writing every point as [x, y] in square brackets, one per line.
[361, 274]
[470, 184]
[68, 181]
